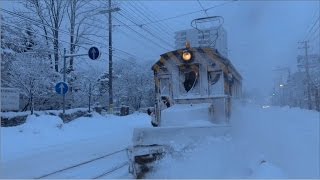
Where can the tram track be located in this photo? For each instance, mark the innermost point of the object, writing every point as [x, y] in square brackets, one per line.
[93, 169]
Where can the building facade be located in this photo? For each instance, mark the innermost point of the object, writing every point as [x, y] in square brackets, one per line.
[211, 37]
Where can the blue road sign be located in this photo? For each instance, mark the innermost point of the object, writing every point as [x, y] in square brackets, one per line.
[61, 88]
[94, 53]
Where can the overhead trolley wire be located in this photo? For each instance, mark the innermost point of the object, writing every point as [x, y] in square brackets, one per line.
[189, 13]
[146, 18]
[141, 35]
[163, 25]
[152, 34]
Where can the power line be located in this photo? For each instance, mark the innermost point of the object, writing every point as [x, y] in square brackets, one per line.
[142, 35]
[162, 24]
[318, 19]
[205, 11]
[137, 17]
[314, 32]
[62, 31]
[152, 34]
[65, 41]
[40, 23]
[52, 38]
[189, 13]
[143, 15]
[181, 15]
[130, 36]
[202, 8]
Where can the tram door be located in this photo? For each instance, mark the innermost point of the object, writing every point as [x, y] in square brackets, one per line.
[166, 87]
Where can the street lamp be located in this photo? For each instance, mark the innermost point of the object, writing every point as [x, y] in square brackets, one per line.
[282, 98]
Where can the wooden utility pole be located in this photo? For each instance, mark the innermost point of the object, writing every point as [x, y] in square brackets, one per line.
[306, 65]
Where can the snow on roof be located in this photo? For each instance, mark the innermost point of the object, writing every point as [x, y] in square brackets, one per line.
[177, 55]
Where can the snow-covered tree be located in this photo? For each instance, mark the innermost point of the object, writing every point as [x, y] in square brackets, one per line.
[133, 84]
[50, 13]
[25, 65]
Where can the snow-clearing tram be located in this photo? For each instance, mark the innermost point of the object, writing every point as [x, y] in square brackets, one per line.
[194, 91]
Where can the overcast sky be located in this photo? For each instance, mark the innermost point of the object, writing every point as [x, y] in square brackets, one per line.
[262, 35]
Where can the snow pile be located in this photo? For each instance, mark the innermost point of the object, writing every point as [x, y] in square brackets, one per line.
[13, 114]
[45, 131]
[45, 124]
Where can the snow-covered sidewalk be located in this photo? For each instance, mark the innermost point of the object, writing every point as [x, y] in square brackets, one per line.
[39, 146]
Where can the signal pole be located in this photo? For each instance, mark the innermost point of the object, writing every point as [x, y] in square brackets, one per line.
[306, 65]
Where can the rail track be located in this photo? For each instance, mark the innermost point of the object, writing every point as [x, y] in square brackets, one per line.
[99, 167]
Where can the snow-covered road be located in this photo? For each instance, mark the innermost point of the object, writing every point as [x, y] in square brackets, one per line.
[266, 143]
[275, 142]
[287, 137]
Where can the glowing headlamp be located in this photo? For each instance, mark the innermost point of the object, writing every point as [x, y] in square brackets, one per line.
[186, 55]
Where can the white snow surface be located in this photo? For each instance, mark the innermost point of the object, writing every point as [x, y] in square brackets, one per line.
[186, 115]
[274, 142]
[42, 145]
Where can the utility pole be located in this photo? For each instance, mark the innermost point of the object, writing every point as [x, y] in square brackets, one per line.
[110, 11]
[306, 65]
[64, 79]
[110, 61]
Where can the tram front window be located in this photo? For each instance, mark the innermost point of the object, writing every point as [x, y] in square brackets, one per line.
[189, 77]
[190, 80]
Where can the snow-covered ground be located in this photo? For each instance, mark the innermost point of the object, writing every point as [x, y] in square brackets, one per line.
[269, 142]
[39, 146]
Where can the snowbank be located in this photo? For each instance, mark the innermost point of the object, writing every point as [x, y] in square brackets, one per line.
[46, 131]
[45, 124]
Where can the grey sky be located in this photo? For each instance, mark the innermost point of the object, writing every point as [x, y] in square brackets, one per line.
[261, 34]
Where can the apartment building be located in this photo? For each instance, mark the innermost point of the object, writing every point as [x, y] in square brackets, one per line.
[211, 37]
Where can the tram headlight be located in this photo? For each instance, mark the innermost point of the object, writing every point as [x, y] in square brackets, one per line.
[186, 55]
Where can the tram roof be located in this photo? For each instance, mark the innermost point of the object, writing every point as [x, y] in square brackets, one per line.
[210, 53]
